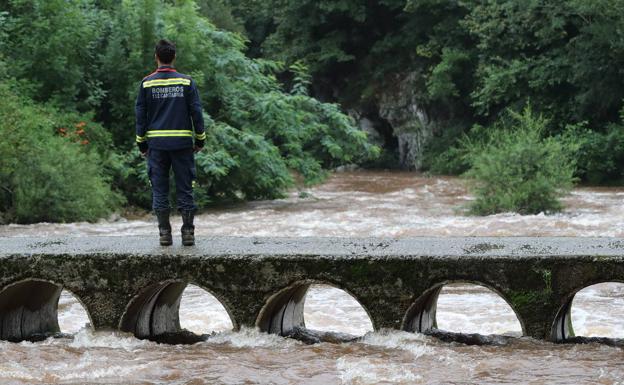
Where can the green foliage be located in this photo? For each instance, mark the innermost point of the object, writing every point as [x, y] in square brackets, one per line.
[599, 155]
[516, 169]
[301, 78]
[220, 13]
[354, 46]
[241, 165]
[444, 154]
[565, 56]
[442, 83]
[53, 44]
[49, 171]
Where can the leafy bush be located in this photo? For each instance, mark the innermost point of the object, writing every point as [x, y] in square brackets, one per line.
[47, 171]
[516, 169]
[241, 165]
[599, 155]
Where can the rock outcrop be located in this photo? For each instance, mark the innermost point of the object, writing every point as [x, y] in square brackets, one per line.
[412, 125]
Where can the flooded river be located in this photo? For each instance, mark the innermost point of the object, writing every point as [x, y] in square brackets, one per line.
[357, 204]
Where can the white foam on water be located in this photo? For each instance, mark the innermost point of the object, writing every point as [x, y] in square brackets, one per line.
[90, 357]
[88, 367]
[613, 377]
[363, 371]
[87, 338]
[248, 337]
[414, 343]
[598, 311]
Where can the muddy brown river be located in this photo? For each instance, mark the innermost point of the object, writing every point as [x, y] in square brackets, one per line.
[355, 204]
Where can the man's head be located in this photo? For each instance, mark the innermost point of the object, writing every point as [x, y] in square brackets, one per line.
[165, 52]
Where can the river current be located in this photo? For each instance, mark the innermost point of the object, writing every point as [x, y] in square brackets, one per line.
[354, 204]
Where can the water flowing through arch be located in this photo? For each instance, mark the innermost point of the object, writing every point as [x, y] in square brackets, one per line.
[72, 315]
[202, 313]
[598, 310]
[473, 308]
[330, 309]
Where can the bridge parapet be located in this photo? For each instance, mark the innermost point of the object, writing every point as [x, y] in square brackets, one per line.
[134, 285]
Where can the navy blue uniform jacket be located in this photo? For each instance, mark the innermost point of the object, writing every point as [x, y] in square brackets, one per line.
[168, 112]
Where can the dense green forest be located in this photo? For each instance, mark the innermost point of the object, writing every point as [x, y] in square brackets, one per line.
[293, 88]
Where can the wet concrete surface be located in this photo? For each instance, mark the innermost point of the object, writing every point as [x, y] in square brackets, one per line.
[516, 247]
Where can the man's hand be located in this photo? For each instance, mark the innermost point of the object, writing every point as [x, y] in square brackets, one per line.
[199, 145]
[143, 148]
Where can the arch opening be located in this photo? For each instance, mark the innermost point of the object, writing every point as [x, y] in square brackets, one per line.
[314, 311]
[29, 310]
[72, 314]
[154, 313]
[595, 311]
[202, 313]
[463, 307]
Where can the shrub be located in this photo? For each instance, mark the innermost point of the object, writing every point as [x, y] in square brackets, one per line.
[47, 171]
[57, 182]
[240, 165]
[599, 155]
[515, 169]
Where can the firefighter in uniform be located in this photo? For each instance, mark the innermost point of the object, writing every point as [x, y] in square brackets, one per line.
[169, 130]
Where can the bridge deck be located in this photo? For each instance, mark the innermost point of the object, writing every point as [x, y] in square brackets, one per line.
[490, 247]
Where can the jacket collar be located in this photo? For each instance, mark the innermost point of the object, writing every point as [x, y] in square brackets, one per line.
[166, 68]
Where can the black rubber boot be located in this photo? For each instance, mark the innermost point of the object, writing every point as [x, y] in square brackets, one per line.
[164, 227]
[188, 229]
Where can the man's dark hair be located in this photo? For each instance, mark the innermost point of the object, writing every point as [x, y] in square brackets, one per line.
[165, 50]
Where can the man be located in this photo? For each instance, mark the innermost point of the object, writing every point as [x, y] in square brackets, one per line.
[168, 116]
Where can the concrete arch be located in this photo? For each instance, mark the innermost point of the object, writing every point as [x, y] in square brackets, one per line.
[562, 328]
[283, 311]
[421, 316]
[29, 309]
[154, 311]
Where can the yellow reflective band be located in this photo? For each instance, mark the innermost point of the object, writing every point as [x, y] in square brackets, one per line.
[140, 139]
[169, 133]
[201, 136]
[167, 82]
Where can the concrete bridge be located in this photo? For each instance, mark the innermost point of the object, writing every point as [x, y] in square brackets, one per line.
[134, 285]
